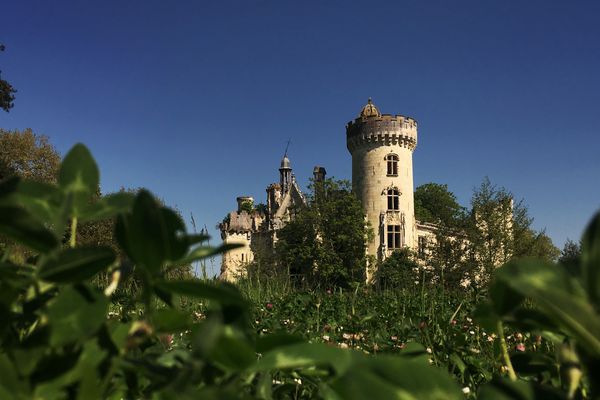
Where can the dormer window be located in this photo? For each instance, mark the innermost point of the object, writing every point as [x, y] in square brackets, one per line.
[393, 199]
[392, 164]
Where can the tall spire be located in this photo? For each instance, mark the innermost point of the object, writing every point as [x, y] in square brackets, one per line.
[285, 171]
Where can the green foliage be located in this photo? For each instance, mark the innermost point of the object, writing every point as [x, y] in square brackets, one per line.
[561, 307]
[6, 91]
[434, 203]
[398, 270]
[261, 208]
[248, 206]
[60, 339]
[30, 156]
[325, 241]
[570, 256]
[499, 230]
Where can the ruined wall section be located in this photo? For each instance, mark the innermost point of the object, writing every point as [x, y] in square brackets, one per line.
[238, 228]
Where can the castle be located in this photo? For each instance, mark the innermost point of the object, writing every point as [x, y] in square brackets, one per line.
[381, 146]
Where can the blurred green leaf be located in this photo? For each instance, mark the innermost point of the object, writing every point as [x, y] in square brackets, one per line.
[78, 171]
[108, 206]
[532, 363]
[223, 294]
[269, 342]
[232, 351]
[11, 387]
[590, 260]
[503, 298]
[386, 377]
[79, 177]
[304, 355]
[503, 389]
[76, 264]
[8, 186]
[75, 314]
[151, 234]
[486, 317]
[42, 200]
[558, 296]
[170, 320]
[20, 226]
[200, 253]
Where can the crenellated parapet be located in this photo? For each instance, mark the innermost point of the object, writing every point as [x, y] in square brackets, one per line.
[383, 129]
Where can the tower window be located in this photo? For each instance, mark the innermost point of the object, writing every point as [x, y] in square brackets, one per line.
[393, 237]
[392, 164]
[393, 199]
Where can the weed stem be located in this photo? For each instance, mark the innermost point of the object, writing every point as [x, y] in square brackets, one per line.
[504, 347]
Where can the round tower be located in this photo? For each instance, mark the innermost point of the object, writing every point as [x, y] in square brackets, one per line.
[381, 146]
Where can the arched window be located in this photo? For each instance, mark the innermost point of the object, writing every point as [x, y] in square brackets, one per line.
[392, 164]
[393, 199]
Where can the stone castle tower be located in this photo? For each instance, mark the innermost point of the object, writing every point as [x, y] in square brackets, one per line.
[381, 146]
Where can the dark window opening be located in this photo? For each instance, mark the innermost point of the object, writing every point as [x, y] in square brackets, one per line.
[393, 199]
[393, 237]
[392, 164]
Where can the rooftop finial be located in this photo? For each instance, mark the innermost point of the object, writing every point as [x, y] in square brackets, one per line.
[369, 110]
[286, 147]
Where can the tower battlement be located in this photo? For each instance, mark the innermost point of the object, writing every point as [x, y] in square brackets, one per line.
[383, 129]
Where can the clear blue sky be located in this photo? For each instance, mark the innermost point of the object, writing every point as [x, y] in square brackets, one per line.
[196, 100]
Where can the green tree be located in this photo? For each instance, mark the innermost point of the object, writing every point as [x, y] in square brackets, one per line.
[570, 256]
[398, 270]
[325, 242]
[500, 230]
[6, 91]
[434, 203]
[28, 155]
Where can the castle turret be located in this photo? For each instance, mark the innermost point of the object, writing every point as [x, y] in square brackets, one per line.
[381, 146]
[285, 174]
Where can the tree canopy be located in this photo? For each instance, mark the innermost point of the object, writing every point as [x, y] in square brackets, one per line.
[436, 204]
[28, 155]
[6, 91]
[398, 270]
[500, 229]
[325, 242]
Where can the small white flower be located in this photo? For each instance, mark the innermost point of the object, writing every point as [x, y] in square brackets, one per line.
[466, 390]
[326, 338]
[429, 350]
